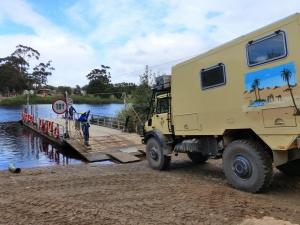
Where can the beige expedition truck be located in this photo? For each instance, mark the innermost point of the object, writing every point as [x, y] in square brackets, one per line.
[239, 102]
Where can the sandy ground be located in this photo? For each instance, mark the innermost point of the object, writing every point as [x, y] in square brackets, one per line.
[135, 194]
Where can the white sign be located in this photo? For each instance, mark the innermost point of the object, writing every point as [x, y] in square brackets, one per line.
[59, 106]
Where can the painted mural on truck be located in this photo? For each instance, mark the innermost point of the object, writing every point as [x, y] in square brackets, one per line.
[271, 87]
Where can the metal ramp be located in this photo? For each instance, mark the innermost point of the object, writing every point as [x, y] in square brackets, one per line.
[118, 147]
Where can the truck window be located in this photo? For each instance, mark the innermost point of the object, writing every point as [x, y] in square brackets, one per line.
[267, 49]
[213, 76]
[162, 105]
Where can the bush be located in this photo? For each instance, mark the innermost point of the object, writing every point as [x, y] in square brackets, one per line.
[134, 121]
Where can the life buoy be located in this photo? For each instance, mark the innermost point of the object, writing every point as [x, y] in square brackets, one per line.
[56, 132]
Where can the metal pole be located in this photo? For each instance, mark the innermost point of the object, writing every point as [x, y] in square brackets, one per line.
[36, 113]
[27, 103]
[67, 114]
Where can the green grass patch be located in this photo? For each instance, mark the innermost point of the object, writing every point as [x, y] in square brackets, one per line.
[22, 100]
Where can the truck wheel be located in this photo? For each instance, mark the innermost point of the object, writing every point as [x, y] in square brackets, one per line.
[291, 168]
[247, 166]
[197, 158]
[155, 156]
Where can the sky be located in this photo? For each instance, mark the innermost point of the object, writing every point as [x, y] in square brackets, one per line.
[81, 35]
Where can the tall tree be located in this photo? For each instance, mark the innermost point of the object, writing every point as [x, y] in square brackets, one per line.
[24, 54]
[286, 76]
[142, 94]
[99, 80]
[40, 73]
[102, 73]
[15, 70]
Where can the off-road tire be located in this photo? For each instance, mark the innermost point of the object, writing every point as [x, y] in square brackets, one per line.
[291, 168]
[162, 162]
[197, 158]
[247, 166]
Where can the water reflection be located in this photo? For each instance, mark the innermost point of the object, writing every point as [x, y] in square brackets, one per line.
[26, 149]
[13, 113]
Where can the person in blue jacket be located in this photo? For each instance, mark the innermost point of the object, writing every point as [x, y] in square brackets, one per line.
[71, 112]
[84, 120]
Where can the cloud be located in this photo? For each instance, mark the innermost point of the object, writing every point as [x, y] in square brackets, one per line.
[128, 34]
[132, 34]
[161, 52]
[71, 57]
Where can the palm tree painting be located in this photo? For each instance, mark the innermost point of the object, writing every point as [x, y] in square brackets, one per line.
[268, 83]
[286, 76]
[254, 90]
[255, 84]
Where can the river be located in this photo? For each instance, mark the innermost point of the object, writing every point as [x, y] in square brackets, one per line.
[25, 149]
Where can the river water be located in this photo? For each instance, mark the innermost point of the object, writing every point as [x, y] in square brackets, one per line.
[26, 149]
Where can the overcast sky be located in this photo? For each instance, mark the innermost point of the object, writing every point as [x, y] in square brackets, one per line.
[80, 35]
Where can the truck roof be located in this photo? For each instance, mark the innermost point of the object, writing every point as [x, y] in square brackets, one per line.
[243, 38]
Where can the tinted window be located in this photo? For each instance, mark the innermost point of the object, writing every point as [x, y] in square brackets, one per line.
[267, 49]
[213, 76]
[162, 105]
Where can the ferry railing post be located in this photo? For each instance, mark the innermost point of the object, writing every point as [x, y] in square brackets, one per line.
[67, 115]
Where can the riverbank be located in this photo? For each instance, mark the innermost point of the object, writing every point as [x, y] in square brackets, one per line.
[21, 100]
[135, 194]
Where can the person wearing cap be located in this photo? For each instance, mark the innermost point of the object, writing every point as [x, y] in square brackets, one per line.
[83, 119]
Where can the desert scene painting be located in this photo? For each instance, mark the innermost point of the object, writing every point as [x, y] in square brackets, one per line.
[272, 87]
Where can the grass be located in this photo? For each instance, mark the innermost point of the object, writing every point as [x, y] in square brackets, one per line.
[21, 100]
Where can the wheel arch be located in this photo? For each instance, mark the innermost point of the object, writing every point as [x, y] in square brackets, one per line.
[161, 138]
[231, 135]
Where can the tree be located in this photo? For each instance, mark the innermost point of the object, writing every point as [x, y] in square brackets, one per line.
[286, 76]
[141, 97]
[142, 94]
[15, 70]
[24, 54]
[77, 90]
[64, 89]
[23, 51]
[40, 73]
[11, 79]
[128, 88]
[99, 80]
[102, 73]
